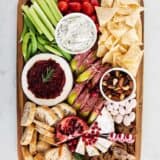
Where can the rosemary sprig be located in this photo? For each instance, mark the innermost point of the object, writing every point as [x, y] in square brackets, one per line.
[48, 75]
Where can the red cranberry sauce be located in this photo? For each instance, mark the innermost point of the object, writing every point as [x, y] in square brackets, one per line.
[51, 88]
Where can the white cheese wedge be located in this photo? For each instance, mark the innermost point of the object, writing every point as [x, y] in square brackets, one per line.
[105, 121]
[103, 144]
[80, 147]
[92, 151]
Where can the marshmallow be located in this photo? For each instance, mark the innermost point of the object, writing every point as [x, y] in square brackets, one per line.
[122, 110]
[132, 116]
[114, 112]
[126, 120]
[110, 107]
[118, 119]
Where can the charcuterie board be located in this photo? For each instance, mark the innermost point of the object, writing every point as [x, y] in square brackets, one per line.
[22, 98]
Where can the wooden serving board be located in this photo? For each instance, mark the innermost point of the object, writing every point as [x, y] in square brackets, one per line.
[21, 99]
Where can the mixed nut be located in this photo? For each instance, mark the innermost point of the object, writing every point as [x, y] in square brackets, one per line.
[117, 85]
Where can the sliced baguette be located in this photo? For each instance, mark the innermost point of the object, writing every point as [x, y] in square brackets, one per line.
[44, 125]
[39, 156]
[28, 114]
[64, 152]
[52, 154]
[59, 153]
[33, 144]
[26, 154]
[67, 109]
[45, 114]
[44, 132]
[42, 146]
[46, 139]
[27, 135]
[58, 111]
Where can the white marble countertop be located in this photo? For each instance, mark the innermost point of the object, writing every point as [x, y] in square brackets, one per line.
[151, 116]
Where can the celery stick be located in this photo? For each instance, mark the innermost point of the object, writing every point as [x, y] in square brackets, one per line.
[47, 11]
[54, 5]
[54, 9]
[53, 50]
[26, 11]
[43, 17]
[41, 25]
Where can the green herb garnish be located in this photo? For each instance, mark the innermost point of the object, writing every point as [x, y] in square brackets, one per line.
[48, 75]
[78, 156]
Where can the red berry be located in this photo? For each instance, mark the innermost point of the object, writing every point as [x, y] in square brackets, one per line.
[69, 11]
[64, 0]
[75, 6]
[94, 18]
[75, 0]
[85, 0]
[95, 2]
[87, 8]
[97, 25]
[63, 6]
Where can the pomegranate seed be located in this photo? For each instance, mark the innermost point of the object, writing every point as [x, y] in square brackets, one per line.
[93, 132]
[83, 139]
[94, 141]
[99, 129]
[97, 133]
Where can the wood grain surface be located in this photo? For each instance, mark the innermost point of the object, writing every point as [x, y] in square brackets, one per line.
[21, 99]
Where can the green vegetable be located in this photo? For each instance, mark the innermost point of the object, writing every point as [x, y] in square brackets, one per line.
[42, 41]
[43, 17]
[29, 24]
[78, 156]
[54, 9]
[46, 77]
[72, 97]
[42, 26]
[25, 30]
[30, 16]
[86, 75]
[25, 43]
[33, 42]
[30, 48]
[46, 10]
[65, 54]
[73, 64]
[41, 48]
[53, 50]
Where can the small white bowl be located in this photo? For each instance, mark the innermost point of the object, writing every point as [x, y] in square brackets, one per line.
[63, 22]
[122, 70]
[66, 88]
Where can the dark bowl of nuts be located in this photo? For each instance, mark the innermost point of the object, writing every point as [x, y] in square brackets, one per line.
[117, 85]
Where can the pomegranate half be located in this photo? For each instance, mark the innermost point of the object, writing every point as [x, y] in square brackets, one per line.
[69, 128]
